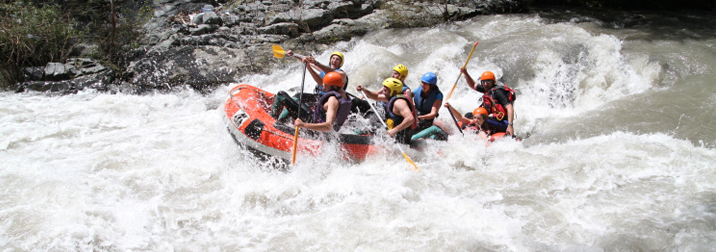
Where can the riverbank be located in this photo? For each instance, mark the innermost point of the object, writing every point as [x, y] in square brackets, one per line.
[202, 45]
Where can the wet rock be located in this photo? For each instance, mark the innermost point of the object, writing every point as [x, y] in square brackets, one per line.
[33, 73]
[84, 66]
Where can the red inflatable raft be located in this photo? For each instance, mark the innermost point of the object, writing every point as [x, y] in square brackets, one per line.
[249, 121]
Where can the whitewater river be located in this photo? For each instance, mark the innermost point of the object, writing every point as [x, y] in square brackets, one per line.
[617, 113]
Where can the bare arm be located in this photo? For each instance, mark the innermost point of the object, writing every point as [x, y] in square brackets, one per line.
[510, 118]
[457, 114]
[372, 95]
[433, 111]
[468, 79]
[331, 108]
[326, 69]
[316, 77]
[401, 108]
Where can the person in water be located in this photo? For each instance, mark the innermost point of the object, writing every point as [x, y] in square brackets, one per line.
[317, 72]
[427, 99]
[399, 114]
[331, 109]
[497, 100]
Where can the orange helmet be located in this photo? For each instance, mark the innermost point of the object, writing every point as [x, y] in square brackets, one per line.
[333, 78]
[487, 76]
[479, 111]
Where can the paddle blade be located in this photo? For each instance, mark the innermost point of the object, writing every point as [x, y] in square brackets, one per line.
[278, 52]
[415, 167]
[295, 147]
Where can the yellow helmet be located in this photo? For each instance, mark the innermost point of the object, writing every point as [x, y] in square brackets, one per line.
[395, 85]
[343, 59]
[402, 70]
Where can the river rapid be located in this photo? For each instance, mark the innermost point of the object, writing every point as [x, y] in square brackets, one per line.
[619, 153]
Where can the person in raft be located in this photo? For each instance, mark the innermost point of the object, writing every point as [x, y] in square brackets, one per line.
[475, 122]
[331, 109]
[427, 100]
[400, 72]
[497, 100]
[317, 72]
[399, 114]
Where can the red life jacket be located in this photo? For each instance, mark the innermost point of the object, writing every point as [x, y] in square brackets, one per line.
[496, 109]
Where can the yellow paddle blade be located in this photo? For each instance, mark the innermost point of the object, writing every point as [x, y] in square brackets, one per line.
[278, 52]
[415, 167]
[295, 147]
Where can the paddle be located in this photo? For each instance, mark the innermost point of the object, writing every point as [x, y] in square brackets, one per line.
[278, 52]
[455, 120]
[455, 85]
[295, 135]
[459, 75]
[415, 167]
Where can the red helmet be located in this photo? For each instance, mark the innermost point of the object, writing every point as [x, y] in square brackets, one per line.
[333, 79]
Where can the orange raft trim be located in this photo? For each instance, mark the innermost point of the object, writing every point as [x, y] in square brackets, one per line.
[248, 119]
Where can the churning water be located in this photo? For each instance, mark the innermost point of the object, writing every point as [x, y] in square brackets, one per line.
[616, 112]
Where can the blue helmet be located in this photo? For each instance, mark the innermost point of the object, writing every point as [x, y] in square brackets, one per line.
[430, 78]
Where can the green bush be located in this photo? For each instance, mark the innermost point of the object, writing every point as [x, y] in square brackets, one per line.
[32, 36]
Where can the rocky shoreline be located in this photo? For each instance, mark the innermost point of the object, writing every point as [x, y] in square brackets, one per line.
[202, 45]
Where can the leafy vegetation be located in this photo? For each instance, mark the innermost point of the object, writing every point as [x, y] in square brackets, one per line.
[32, 35]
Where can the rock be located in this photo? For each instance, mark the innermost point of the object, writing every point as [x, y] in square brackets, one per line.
[211, 18]
[84, 66]
[202, 68]
[312, 18]
[290, 29]
[203, 29]
[56, 72]
[42, 86]
[33, 73]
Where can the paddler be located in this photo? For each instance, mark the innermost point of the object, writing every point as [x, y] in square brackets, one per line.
[497, 100]
[400, 72]
[331, 109]
[399, 114]
[427, 99]
[317, 71]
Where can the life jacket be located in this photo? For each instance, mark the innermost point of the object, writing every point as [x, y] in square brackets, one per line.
[319, 89]
[395, 119]
[344, 109]
[493, 107]
[425, 105]
[405, 135]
